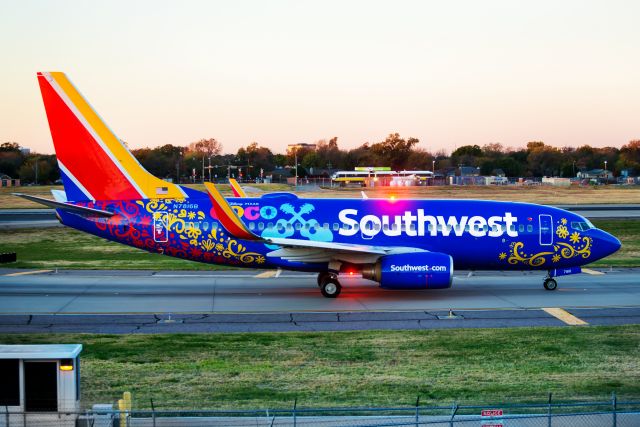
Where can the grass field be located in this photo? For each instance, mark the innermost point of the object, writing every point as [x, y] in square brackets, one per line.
[65, 248]
[384, 368]
[533, 194]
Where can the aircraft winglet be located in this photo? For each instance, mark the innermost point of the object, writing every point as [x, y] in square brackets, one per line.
[228, 217]
[236, 189]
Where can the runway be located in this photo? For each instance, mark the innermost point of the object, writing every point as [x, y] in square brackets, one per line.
[234, 301]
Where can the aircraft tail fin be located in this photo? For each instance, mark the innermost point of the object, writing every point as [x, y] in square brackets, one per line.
[94, 163]
[228, 217]
[236, 189]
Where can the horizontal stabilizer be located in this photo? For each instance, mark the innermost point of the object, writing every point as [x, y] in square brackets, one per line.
[65, 206]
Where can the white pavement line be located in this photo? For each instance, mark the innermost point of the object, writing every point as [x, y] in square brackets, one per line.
[266, 274]
[592, 272]
[24, 273]
[565, 316]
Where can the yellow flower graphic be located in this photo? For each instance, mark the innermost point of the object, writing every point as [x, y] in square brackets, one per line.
[555, 258]
[193, 232]
[562, 232]
[502, 255]
[564, 221]
[260, 260]
[207, 244]
[219, 247]
[191, 215]
[575, 237]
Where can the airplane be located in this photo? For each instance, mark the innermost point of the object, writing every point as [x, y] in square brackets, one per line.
[400, 244]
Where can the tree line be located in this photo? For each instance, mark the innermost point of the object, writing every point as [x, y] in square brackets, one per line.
[204, 158]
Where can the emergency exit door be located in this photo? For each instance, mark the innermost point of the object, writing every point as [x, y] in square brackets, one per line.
[546, 229]
[40, 386]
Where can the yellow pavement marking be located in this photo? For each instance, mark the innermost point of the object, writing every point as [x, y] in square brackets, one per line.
[565, 316]
[24, 273]
[592, 272]
[266, 274]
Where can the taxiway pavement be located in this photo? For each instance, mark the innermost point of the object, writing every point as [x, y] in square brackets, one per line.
[235, 301]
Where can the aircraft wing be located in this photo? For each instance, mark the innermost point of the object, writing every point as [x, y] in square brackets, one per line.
[314, 251]
[236, 188]
[298, 249]
[65, 206]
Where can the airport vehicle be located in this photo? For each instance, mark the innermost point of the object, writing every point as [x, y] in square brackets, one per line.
[401, 244]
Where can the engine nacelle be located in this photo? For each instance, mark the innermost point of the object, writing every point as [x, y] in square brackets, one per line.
[423, 270]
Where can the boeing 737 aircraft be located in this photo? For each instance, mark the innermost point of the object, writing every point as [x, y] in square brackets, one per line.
[401, 244]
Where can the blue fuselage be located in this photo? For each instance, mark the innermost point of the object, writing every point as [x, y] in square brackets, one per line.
[480, 235]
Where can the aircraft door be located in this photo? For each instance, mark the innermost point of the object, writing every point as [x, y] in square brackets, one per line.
[546, 229]
[160, 227]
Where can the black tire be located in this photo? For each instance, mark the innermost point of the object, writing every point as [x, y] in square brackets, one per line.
[322, 277]
[550, 284]
[330, 288]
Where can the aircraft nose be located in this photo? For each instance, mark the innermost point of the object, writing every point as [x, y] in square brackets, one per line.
[605, 244]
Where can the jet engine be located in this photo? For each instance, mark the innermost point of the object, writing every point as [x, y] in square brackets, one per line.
[432, 270]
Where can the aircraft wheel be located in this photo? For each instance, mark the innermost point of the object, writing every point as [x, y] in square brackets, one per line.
[550, 284]
[330, 288]
[322, 277]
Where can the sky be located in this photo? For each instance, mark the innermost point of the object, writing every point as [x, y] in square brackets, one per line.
[450, 73]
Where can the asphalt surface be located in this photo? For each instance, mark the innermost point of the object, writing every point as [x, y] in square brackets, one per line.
[238, 301]
[29, 218]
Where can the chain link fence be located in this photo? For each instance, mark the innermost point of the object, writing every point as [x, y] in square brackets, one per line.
[595, 413]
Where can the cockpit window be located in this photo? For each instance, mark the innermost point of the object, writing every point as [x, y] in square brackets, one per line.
[581, 225]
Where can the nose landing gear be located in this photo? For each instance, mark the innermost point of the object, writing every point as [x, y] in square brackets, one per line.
[550, 284]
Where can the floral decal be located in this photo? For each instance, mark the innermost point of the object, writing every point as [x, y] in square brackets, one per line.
[187, 238]
[566, 246]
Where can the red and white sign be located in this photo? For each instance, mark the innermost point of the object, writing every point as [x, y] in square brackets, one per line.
[492, 413]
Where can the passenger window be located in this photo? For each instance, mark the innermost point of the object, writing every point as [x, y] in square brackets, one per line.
[252, 226]
[335, 226]
[289, 226]
[191, 225]
[197, 226]
[214, 225]
[298, 226]
[529, 228]
[356, 227]
[412, 227]
[205, 226]
[270, 225]
[521, 228]
[261, 226]
[307, 226]
[326, 226]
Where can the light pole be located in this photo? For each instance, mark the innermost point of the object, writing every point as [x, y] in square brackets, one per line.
[209, 168]
[296, 165]
[178, 167]
[433, 167]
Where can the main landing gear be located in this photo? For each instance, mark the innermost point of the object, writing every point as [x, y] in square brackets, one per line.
[329, 284]
[550, 284]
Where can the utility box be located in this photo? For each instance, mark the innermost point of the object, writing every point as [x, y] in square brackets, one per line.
[39, 384]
